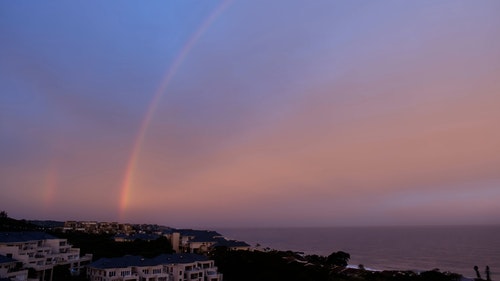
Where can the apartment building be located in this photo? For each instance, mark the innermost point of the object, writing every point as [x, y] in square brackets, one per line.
[12, 270]
[41, 252]
[127, 268]
[190, 267]
[135, 236]
[192, 241]
[232, 245]
[175, 267]
[97, 227]
[201, 241]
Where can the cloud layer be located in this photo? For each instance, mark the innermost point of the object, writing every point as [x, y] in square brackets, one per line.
[281, 113]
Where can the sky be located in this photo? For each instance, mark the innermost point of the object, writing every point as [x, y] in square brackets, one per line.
[251, 113]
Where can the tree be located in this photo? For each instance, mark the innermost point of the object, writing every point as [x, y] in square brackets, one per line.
[476, 269]
[338, 259]
[3, 215]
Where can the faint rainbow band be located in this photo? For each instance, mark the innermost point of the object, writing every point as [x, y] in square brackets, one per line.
[126, 186]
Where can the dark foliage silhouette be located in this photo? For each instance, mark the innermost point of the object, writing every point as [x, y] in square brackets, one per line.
[476, 269]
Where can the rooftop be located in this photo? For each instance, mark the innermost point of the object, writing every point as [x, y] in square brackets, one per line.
[4, 259]
[9, 237]
[141, 236]
[230, 243]
[121, 262]
[198, 233]
[180, 258]
[128, 261]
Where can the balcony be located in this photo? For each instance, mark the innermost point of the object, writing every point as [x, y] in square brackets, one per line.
[27, 252]
[193, 270]
[40, 267]
[86, 257]
[65, 249]
[211, 273]
[44, 249]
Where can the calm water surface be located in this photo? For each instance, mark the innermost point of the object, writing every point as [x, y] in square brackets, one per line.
[449, 248]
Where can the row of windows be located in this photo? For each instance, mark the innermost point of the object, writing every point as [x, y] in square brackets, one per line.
[154, 271]
[122, 273]
[127, 273]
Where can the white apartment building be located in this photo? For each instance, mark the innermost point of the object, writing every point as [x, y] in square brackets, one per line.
[191, 267]
[193, 241]
[41, 252]
[12, 269]
[201, 241]
[127, 268]
[176, 267]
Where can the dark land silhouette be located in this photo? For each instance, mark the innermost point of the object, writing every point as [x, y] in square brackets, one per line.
[236, 265]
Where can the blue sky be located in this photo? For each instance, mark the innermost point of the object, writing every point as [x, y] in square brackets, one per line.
[289, 113]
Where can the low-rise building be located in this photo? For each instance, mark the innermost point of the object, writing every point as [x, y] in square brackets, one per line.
[127, 268]
[41, 252]
[192, 241]
[12, 269]
[232, 245]
[175, 267]
[201, 241]
[135, 236]
[190, 267]
[96, 227]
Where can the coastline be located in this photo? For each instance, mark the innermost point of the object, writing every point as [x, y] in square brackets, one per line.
[418, 248]
[353, 266]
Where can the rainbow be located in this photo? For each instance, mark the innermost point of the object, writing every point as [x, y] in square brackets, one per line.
[50, 185]
[127, 182]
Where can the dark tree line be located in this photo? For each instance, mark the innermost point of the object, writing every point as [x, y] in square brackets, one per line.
[10, 224]
[103, 245]
[276, 265]
[290, 266]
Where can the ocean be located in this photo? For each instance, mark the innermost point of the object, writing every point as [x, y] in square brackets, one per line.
[449, 248]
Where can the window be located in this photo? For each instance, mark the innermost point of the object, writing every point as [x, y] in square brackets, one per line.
[112, 273]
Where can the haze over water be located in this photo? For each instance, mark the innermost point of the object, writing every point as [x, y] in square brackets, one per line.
[449, 248]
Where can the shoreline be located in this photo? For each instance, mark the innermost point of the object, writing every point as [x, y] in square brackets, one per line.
[356, 267]
[454, 249]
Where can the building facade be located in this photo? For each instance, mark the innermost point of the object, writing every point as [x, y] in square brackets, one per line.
[175, 267]
[41, 252]
[201, 241]
[12, 269]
